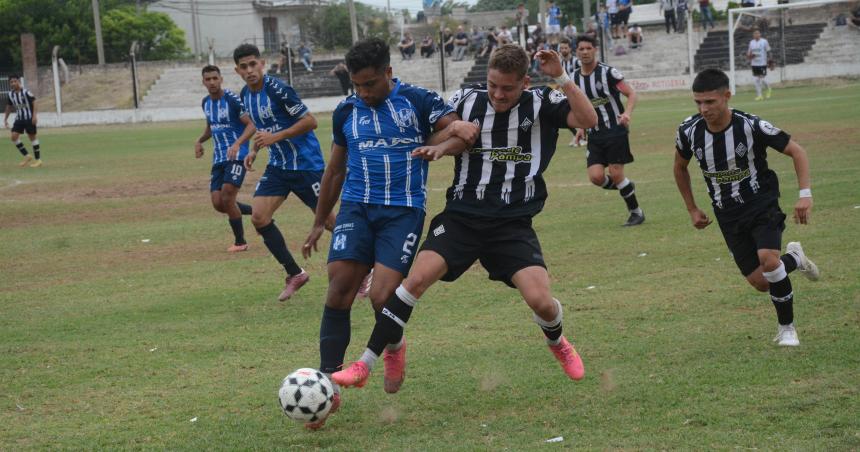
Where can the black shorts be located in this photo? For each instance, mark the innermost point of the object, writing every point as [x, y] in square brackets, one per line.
[504, 246]
[759, 71]
[608, 150]
[624, 16]
[758, 227]
[24, 125]
[614, 19]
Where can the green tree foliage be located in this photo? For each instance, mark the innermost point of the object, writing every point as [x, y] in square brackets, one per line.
[69, 23]
[329, 25]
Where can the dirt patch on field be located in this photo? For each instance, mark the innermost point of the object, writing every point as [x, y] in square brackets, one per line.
[99, 89]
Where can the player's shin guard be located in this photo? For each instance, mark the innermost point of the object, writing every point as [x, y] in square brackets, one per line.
[21, 148]
[238, 231]
[391, 320]
[608, 184]
[781, 294]
[36, 149]
[334, 338]
[244, 209]
[627, 190]
[274, 241]
[551, 328]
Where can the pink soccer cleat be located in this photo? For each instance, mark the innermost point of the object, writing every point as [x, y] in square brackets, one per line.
[237, 248]
[293, 284]
[354, 375]
[318, 424]
[395, 368]
[569, 359]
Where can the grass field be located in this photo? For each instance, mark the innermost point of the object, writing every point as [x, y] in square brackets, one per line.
[124, 324]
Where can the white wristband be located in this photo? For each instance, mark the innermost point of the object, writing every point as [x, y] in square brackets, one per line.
[561, 79]
[805, 193]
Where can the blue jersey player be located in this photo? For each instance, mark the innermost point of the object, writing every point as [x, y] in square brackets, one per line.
[382, 188]
[284, 125]
[230, 128]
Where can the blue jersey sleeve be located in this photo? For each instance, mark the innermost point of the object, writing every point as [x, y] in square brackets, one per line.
[235, 104]
[280, 92]
[432, 108]
[338, 120]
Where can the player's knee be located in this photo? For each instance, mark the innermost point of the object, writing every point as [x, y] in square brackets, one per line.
[259, 219]
[769, 263]
[597, 179]
[544, 307]
[340, 295]
[416, 284]
[760, 284]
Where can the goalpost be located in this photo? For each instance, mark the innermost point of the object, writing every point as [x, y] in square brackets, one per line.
[734, 21]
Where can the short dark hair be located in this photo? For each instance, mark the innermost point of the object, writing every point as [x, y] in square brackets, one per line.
[586, 38]
[710, 80]
[564, 41]
[210, 68]
[509, 59]
[15, 76]
[245, 50]
[370, 52]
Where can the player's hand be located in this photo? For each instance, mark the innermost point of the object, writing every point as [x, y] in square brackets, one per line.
[249, 159]
[550, 63]
[624, 119]
[580, 136]
[699, 218]
[198, 149]
[428, 153]
[263, 139]
[311, 242]
[232, 152]
[465, 130]
[802, 210]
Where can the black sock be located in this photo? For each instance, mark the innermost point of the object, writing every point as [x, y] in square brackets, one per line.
[781, 294]
[21, 148]
[608, 184]
[551, 328]
[334, 338]
[629, 195]
[245, 209]
[391, 320]
[789, 261]
[36, 149]
[274, 241]
[238, 230]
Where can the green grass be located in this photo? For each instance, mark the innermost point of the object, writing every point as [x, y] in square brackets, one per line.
[109, 342]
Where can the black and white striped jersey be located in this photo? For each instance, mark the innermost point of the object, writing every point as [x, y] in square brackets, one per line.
[502, 175]
[734, 160]
[570, 65]
[23, 103]
[601, 87]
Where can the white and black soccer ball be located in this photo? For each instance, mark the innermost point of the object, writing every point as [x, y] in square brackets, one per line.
[306, 395]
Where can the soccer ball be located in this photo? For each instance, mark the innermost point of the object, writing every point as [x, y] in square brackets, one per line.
[306, 395]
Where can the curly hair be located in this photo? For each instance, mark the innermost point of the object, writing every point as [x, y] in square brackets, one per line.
[509, 59]
[371, 52]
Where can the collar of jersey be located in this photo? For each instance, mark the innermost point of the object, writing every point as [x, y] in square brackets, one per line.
[390, 95]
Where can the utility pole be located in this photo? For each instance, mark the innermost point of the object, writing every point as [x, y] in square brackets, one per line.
[586, 14]
[97, 19]
[542, 15]
[353, 25]
[195, 32]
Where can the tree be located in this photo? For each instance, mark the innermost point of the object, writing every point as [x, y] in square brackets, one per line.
[158, 37]
[329, 25]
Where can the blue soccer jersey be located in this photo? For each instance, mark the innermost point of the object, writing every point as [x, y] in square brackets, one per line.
[554, 14]
[277, 107]
[224, 118]
[379, 142]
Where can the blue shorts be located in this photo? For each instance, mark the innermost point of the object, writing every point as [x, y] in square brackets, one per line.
[370, 233]
[280, 182]
[227, 172]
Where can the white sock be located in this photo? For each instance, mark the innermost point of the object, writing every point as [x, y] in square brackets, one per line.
[637, 211]
[764, 83]
[369, 358]
[623, 183]
[758, 87]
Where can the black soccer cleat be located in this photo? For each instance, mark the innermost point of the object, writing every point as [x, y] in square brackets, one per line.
[634, 220]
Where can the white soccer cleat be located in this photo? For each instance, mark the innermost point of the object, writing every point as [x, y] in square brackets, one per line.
[806, 266]
[786, 336]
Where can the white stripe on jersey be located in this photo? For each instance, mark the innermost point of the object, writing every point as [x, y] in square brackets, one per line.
[295, 155]
[487, 142]
[393, 114]
[609, 95]
[354, 124]
[513, 135]
[712, 167]
[537, 101]
[601, 109]
[464, 157]
[751, 156]
[387, 162]
[376, 124]
[366, 179]
[409, 178]
[729, 136]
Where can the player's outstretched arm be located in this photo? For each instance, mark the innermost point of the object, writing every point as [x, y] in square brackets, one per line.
[698, 217]
[233, 152]
[582, 114]
[35, 118]
[198, 145]
[330, 187]
[453, 137]
[6, 118]
[803, 207]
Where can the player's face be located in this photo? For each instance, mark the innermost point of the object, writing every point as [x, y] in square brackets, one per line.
[564, 50]
[15, 84]
[505, 89]
[250, 68]
[371, 85]
[713, 105]
[585, 52]
[756, 35]
[212, 82]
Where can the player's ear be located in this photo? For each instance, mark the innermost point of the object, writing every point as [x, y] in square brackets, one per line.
[389, 73]
[526, 81]
[728, 94]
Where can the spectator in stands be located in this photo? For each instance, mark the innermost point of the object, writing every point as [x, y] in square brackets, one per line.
[706, 16]
[342, 73]
[407, 46]
[538, 34]
[553, 22]
[747, 3]
[634, 35]
[855, 17]
[668, 8]
[522, 21]
[625, 8]
[492, 42]
[570, 31]
[447, 43]
[681, 9]
[476, 40]
[592, 30]
[461, 43]
[306, 56]
[428, 46]
[505, 36]
[614, 19]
